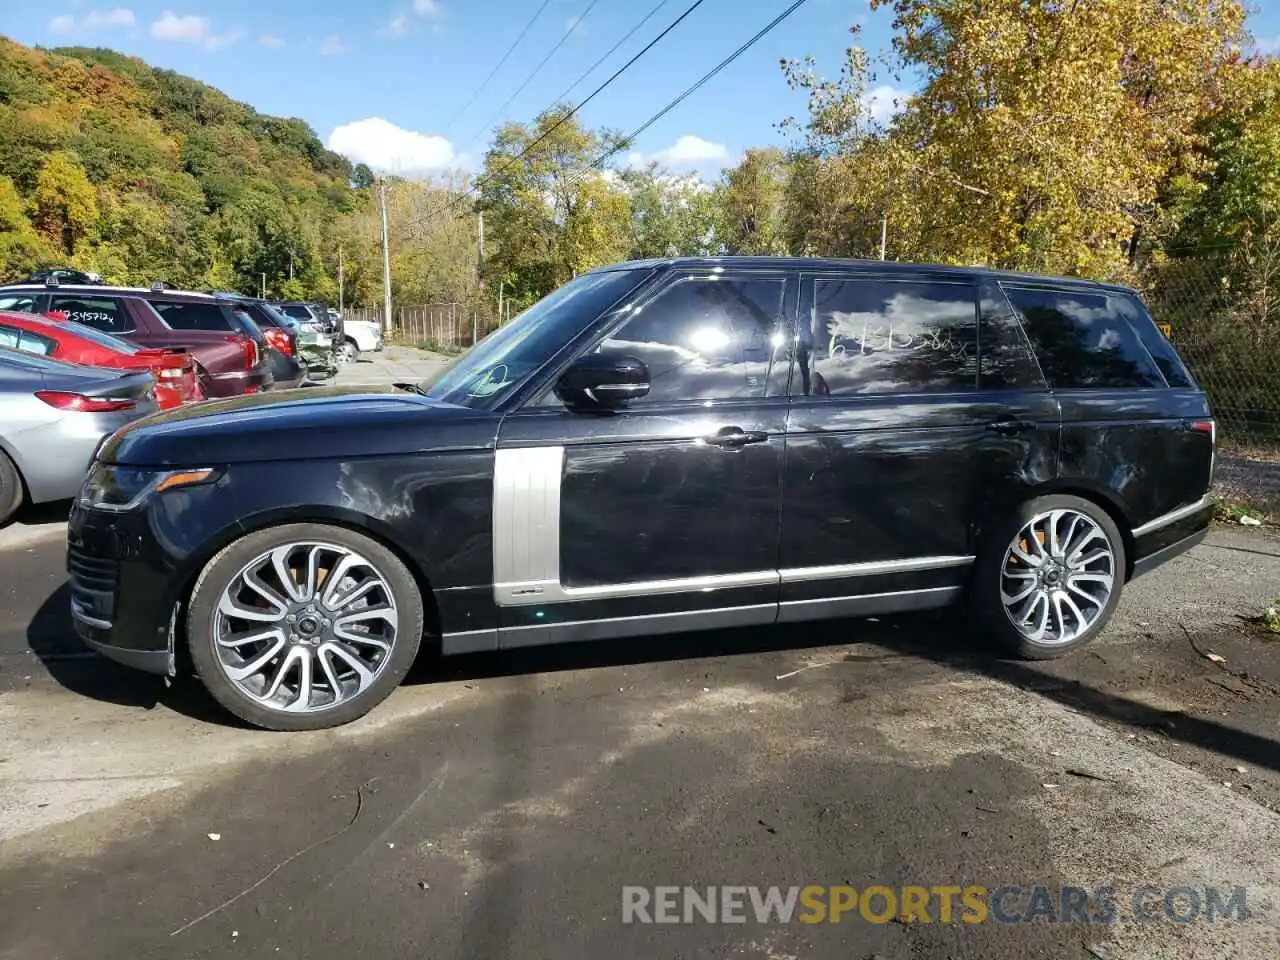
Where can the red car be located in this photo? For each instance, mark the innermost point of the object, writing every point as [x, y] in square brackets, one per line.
[55, 336]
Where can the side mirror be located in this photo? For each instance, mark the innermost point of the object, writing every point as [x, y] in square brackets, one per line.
[603, 381]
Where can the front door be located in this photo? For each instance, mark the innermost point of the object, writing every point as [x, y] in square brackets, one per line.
[662, 516]
[895, 451]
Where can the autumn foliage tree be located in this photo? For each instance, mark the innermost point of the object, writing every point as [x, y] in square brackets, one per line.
[1040, 138]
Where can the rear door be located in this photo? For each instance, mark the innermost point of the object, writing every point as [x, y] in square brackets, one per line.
[900, 444]
[1129, 421]
[663, 515]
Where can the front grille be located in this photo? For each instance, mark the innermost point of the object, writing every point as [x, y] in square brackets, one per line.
[93, 584]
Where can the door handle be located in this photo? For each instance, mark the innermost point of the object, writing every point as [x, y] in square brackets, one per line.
[735, 437]
[1012, 426]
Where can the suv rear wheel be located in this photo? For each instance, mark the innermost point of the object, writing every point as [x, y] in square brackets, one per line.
[347, 351]
[1048, 580]
[304, 626]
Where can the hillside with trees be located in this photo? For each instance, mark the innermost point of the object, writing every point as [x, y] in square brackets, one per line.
[142, 174]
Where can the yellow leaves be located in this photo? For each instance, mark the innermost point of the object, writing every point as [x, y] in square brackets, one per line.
[64, 204]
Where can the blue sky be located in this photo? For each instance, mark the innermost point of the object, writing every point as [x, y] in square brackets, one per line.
[385, 79]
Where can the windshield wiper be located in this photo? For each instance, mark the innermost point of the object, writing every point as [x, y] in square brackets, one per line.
[410, 388]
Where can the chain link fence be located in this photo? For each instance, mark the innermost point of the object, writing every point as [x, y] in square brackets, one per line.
[1222, 313]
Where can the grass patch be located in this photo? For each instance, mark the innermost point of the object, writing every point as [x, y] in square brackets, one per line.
[1230, 511]
[1268, 621]
[436, 347]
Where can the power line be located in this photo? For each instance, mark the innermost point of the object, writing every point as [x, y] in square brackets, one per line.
[630, 139]
[592, 95]
[492, 73]
[630, 33]
[536, 70]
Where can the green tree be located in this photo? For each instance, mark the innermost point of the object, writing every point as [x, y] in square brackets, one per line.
[752, 204]
[64, 204]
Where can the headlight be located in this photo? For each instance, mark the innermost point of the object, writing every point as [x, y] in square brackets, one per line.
[122, 488]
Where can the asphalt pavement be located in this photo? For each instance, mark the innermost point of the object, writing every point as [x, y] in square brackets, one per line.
[497, 806]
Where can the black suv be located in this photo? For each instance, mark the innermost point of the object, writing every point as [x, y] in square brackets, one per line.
[658, 446]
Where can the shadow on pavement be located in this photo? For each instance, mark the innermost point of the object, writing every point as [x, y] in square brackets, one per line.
[932, 638]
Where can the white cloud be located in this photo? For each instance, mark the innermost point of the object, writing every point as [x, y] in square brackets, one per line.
[391, 149]
[119, 17]
[332, 47]
[187, 29]
[689, 151]
[93, 20]
[270, 40]
[883, 102]
[225, 40]
[398, 26]
[427, 8]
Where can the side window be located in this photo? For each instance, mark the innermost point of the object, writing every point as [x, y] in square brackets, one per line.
[34, 343]
[25, 303]
[875, 336]
[704, 338]
[1006, 360]
[1161, 350]
[26, 341]
[193, 316]
[1081, 342]
[101, 313]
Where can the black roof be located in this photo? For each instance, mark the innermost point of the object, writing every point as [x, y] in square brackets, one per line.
[882, 267]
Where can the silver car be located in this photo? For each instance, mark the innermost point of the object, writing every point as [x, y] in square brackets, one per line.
[53, 416]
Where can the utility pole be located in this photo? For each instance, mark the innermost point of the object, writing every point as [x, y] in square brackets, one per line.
[501, 287]
[884, 232]
[341, 291]
[386, 258]
[264, 286]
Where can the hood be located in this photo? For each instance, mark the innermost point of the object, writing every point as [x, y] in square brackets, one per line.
[302, 424]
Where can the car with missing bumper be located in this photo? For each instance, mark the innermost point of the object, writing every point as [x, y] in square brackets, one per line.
[658, 446]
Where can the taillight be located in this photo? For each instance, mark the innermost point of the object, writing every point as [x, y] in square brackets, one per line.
[279, 340]
[1205, 426]
[81, 404]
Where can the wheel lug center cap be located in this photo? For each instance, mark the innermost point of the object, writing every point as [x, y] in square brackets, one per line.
[308, 626]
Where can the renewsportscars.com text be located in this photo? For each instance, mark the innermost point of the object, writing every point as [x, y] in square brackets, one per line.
[1008, 903]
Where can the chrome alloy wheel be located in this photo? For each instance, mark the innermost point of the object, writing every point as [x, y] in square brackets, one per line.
[1057, 577]
[305, 627]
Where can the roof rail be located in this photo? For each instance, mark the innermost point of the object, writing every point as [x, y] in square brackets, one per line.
[159, 285]
[51, 280]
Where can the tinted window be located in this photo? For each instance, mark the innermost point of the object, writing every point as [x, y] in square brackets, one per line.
[193, 316]
[1161, 350]
[704, 338]
[259, 315]
[877, 336]
[297, 311]
[1006, 360]
[1080, 342]
[26, 303]
[101, 313]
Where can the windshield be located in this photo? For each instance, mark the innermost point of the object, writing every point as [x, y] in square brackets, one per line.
[297, 311]
[86, 332]
[281, 319]
[482, 375]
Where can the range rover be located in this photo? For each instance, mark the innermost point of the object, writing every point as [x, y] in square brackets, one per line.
[658, 446]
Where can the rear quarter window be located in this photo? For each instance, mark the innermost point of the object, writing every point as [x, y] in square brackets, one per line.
[1081, 341]
[101, 313]
[1161, 350]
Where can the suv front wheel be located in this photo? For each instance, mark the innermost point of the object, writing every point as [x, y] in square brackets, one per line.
[1048, 579]
[304, 626]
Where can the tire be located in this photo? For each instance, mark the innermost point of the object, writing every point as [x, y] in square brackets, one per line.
[348, 351]
[392, 618]
[999, 573]
[10, 489]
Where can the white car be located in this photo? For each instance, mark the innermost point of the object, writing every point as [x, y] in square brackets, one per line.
[359, 336]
